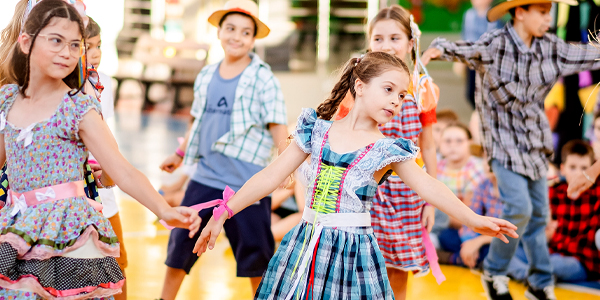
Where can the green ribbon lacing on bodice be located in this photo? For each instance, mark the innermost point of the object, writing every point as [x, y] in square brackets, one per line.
[327, 190]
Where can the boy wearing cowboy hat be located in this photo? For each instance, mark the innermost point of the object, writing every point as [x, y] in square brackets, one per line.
[240, 116]
[516, 68]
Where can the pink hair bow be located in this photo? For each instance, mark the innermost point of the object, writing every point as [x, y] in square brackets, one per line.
[217, 211]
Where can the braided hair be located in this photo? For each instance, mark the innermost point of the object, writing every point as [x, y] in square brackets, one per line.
[365, 68]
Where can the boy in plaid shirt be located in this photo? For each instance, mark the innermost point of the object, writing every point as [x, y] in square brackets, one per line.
[517, 66]
[577, 220]
[240, 116]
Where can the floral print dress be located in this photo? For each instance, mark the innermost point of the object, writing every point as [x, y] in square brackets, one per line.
[63, 249]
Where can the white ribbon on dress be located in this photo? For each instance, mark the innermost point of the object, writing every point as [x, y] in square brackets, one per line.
[2, 120]
[27, 135]
[20, 205]
[49, 194]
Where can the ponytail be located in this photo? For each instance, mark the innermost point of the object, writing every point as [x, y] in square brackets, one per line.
[327, 109]
[8, 42]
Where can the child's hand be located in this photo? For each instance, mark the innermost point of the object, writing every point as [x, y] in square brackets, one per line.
[493, 227]
[578, 185]
[429, 54]
[469, 252]
[428, 217]
[209, 235]
[182, 217]
[171, 163]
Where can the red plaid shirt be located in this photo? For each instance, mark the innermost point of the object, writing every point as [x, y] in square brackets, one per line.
[578, 221]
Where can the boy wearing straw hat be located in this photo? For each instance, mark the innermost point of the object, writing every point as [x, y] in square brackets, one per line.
[240, 116]
[517, 66]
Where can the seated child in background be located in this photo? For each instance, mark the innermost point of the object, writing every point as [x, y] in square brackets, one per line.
[574, 255]
[444, 118]
[466, 247]
[459, 171]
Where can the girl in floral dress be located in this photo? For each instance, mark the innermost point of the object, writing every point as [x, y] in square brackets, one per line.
[333, 253]
[53, 243]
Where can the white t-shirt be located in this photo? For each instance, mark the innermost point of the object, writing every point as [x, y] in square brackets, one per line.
[108, 111]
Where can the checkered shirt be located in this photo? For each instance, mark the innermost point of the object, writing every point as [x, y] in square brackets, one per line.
[258, 102]
[484, 203]
[512, 83]
[578, 221]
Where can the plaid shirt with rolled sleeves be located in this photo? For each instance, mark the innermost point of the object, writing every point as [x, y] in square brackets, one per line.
[512, 83]
[578, 221]
[258, 102]
[484, 203]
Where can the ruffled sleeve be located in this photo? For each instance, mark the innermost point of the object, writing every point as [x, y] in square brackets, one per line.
[401, 150]
[304, 128]
[72, 111]
[8, 93]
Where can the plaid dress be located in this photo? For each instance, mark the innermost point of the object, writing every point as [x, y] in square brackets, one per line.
[346, 262]
[396, 212]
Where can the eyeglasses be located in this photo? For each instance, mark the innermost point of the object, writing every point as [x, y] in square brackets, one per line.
[57, 44]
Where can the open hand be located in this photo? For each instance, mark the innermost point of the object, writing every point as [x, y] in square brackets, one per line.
[428, 217]
[182, 217]
[209, 235]
[429, 54]
[494, 227]
[171, 163]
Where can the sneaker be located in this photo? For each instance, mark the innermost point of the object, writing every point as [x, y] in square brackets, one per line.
[496, 287]
[546, 293]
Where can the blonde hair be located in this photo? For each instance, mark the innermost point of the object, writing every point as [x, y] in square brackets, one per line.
[8, 39]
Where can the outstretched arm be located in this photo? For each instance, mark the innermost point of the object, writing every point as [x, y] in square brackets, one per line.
[436, 193]
[259, 186]
[99, 140]
[473, 54]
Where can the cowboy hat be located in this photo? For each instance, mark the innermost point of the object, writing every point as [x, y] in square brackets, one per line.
[246, 7]
[500, 9]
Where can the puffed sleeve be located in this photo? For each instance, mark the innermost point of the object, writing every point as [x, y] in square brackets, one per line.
[70, 114]
[7, 96]
[401, 150]
[304, 127]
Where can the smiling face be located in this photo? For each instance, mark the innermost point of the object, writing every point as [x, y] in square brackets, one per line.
[94, 50]
[383, 95]
[237, 35]
[44, 60]
[536, 18]
[391, 37]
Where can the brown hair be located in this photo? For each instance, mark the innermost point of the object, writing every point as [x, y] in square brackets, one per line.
[398, 14]
[577, 147]
[369, 66]
[460, 126]
[8, 38]
[92, 29]
[446, 115]
[39, 17]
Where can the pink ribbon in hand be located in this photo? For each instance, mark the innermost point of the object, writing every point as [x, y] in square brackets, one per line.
[217, 211]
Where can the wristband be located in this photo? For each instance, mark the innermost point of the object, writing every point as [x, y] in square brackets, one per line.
[587, 177]
[179, 153]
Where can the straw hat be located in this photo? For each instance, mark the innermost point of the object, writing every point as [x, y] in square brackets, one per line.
[246, 7]
[502, 8]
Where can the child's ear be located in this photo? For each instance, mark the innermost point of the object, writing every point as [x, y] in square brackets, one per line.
[25, 43]
[358, 87]
[562, 168]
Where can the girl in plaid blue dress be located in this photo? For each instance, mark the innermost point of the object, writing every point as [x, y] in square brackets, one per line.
[332, 253]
